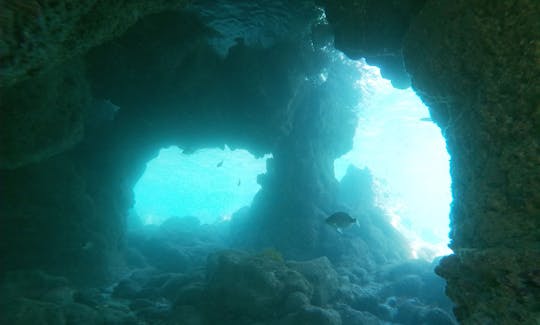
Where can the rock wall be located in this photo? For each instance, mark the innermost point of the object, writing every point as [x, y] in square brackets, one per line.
[475, 65]
[374, 30]
[35, 34]
[67, 186]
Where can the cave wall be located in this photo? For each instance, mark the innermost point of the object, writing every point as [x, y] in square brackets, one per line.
[475, 65]
[482, 91]
[171, 89]
[37, 34]
[44, 91]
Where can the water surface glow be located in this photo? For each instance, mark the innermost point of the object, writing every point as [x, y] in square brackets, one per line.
[408, 156]
[210, 184]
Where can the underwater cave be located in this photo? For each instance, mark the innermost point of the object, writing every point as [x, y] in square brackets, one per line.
[210, 185]
[229, 162]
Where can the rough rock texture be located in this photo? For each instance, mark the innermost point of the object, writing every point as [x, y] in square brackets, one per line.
[374, 30]
[73, 229]
[69, 187]
[35, 34]
[253, 286]
[321, 275]
[475, 64]
[43, 116]
[299, 182]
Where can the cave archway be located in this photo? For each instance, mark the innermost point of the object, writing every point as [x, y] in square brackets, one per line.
[474, 64]
[210, 184]
[406, 153]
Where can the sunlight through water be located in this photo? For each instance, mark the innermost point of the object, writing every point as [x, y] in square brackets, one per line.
[406, 152]
[210, 184]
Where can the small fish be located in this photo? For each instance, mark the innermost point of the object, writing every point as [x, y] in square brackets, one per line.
[426, 119]
[220, 164]
[239, 182]
[340, 220]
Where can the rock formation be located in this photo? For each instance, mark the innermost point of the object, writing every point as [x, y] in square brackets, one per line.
[69, 157]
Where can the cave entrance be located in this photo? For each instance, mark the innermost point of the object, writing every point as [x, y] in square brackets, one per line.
[406, 153]
[210, 184]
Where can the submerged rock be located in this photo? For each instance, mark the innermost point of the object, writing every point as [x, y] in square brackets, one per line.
[27, 311]
[255, 286]
[320, 273]
[33, 284]
[295, 301]
[350, 316]
[313, 315]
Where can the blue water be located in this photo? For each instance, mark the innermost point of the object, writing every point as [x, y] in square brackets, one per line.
[210, 184]
[406, 154]
[408, 157]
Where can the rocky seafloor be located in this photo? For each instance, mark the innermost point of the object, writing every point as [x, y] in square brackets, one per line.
[183, 272]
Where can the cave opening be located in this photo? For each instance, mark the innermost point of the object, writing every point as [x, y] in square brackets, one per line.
[397, 141]
[210, 184]
[262, 75]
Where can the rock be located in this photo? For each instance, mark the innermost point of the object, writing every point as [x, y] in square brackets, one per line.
[255, 286]
[155, 312]
[63, 93]
[30, 284]
[90, 296]
[186, 315]
[75, 313]
[176, 225]
[350, 316]
[295, 301]
[437, 316]
[365, 301]
[313, 315]
[321, 275]
[173, 285]
[128, 289]
[374, 30]
[410, 312]
[134, 258]
[356, 275]
[412, 267]
[26, 311]
[190, 294]
[385, 312]
[139, 304]
[60, 295]
[113, 316]
[164, 256]
[408, 286]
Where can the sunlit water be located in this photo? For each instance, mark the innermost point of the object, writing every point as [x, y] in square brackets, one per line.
[210, 184]
[407, 154]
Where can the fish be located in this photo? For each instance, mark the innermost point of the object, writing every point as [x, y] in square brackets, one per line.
[340, 220]
[239, 182]
[426, 119]
[220, 164]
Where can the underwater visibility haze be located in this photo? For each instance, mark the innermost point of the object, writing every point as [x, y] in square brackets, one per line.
[269, 162]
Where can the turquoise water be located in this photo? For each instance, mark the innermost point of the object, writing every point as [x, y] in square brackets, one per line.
[408, 156]
[210, 184]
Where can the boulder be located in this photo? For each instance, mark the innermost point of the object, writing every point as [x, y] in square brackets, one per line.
[255, 286]
[313, 315]
[320, 273]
